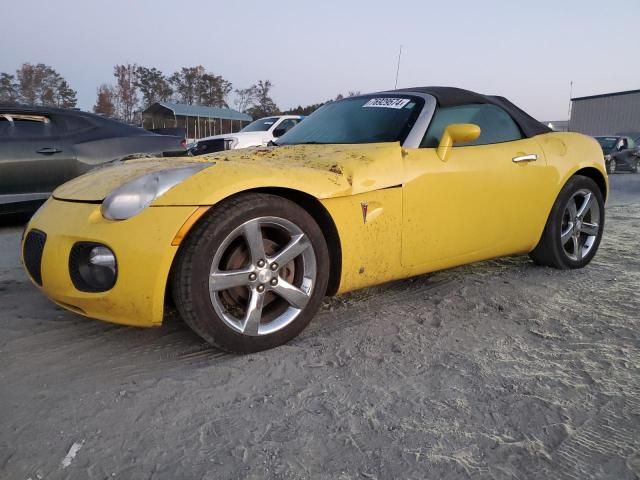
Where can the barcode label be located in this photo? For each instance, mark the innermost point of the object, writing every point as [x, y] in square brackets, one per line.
[388, 102]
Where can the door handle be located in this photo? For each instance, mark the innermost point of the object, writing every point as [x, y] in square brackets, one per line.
[48, 150]
[532, 157]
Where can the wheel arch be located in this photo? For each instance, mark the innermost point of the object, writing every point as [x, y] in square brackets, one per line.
[590, 172]
[595, 175]
[312, 206]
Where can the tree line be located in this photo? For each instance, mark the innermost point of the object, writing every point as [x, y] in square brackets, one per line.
[36, 84]
[136, 87]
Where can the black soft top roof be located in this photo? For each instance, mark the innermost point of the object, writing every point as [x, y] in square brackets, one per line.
[452, 97]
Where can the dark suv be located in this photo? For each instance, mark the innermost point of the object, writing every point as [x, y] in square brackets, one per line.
[620, 153]
[41, 148]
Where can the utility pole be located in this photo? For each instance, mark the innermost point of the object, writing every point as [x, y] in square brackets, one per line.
[569, 111]
[398, 69]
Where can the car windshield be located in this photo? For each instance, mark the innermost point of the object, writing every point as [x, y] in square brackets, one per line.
[261, 125]
[363, 119]
[607, 143]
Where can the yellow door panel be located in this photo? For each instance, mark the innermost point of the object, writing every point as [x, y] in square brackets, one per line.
[479, 202]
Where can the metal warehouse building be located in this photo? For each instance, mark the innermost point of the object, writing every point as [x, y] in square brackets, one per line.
[198, 121]
[606, 114]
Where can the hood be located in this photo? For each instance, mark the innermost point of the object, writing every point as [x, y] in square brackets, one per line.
[100, 182]
[323, 171]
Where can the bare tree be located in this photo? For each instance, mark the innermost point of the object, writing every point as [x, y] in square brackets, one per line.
[126, 91]
[105, 101]
[213, 90]
[153, 85]
[196, 86]
[244, 98]
[30, 82]
[263, 105]
[65, 95]
[40, 85]
[8, 88]
[185, 83]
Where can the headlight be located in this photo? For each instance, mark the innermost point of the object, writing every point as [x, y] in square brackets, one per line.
[607, 158]
[136, 195]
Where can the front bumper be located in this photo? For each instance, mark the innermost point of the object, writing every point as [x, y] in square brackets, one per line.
[142, 245]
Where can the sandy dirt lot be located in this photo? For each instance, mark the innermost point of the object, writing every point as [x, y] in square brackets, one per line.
[498, 370]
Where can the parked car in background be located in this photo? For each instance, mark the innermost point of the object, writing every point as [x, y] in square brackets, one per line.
[621, 153]
[173, 131]
[41, 148]
[256, 134]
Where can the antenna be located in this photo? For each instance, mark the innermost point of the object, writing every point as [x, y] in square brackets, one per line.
[398, 69]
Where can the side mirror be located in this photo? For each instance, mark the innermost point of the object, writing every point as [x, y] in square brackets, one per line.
[278, 132]
[456, 133]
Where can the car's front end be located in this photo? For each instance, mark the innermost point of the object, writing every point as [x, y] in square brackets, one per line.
[104, 244]
[104, 251]
[114, 271]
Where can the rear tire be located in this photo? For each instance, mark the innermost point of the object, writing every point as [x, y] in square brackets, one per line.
[574, 228]
[252, 274]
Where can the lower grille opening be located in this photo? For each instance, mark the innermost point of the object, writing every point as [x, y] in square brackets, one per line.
[32, 254]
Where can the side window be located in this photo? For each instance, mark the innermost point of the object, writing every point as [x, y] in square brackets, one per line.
[284, 127]
[26, 126]
[73, 124]
[6, 126]
[496, 126]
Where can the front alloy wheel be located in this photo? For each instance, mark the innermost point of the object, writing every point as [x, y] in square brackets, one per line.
[252, 273]
[262, 276]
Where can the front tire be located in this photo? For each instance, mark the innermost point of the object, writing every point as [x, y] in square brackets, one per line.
[611, 167]
[252, 274]
[574, 228]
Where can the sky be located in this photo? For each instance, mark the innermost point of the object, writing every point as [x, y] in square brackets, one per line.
[529, 52]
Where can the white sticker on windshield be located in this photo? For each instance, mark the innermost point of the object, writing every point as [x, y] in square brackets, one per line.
[388, 102]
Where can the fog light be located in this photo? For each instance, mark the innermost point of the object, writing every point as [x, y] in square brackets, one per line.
[103, 257]
[93, 267]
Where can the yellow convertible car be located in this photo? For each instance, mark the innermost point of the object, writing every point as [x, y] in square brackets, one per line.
[368, 189]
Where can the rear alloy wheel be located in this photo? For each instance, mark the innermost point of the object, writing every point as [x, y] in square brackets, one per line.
[252, 274]
[635, 166]
[574, 228]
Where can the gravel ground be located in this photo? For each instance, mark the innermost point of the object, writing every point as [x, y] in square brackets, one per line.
[498, 370]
